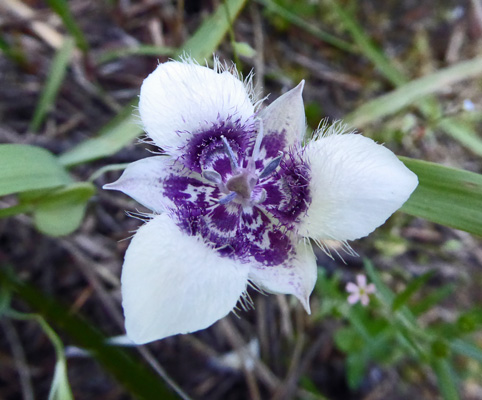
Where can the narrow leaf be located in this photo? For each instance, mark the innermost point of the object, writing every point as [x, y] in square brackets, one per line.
[141, 50]
[467, 349]
[405, 95]
[133, 375]
[367, 47]
[463, 133]
[402, 297]
[56, 76]
[212, 31]
[447, 196]
[61, 7]
[446, 379]
[432, 299]
[112, 137]
[313, 30]
[24, 167]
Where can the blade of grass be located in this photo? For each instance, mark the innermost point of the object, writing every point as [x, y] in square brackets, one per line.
[447, 196]
[14, 53]
[463, 133]
[367, 47]
[311, 29]
[446, 379]
[429, 106]
[142, 50]
[431, 299]
[467, 349]
[413, 286]
[132, 375]
[415, 90]
[124, 127]
[55, 78]
[119, 132]
[60, 388]
[61, 7]
[24, 167]
[211, 32]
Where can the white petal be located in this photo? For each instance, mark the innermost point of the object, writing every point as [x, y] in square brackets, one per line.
[181, 98]
[142, 180]
[172, 283]
[355, 186]
[286, 115]
[297, 277]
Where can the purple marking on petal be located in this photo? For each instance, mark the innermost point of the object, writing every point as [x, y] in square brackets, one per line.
[288, 193]
[225, 219]
[274, 143]
[176, 187]
[204, 148]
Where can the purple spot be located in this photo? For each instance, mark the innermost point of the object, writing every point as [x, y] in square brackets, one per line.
[274, 143]
[205, 147]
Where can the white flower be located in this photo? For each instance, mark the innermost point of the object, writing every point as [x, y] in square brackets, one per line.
[236, 198]
[360, 291]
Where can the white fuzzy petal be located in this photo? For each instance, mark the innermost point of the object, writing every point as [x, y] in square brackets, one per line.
[297, 277]
[172, 283]
[142, 180]
[286, 115]
[179, 99]
[355, 186]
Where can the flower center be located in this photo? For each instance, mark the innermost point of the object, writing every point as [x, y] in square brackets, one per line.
[242, 184]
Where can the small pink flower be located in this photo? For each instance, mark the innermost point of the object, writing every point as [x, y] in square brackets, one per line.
[360, 291]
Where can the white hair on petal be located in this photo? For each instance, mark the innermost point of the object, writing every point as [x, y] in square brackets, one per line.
[325, 129]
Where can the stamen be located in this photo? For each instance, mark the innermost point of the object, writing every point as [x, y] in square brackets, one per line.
[212, 176]
[259, 140]
[232, 158]
[228, 198]
[271, 167]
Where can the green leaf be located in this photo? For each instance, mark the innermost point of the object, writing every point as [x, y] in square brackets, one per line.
[463, 133]
[447, 196]
[141, 382]
[61, 212]
[119, 132]
[212, 31]
[61, 7]
[56, 76]
[24, 167]
[301, 23]
[431, 299]
[244, 49]
[60, 388]
[446, 379]
[407, 94]
[414, 285]
[467, 349]
[356, 368]
[366, 46]
[125, 127]
[141, 50]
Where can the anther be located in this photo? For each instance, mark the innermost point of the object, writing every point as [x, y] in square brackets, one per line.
[228, 198]
[271, 167]
[212, 176]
